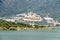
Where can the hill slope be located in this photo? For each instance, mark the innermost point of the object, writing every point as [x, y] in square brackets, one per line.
[12, 7]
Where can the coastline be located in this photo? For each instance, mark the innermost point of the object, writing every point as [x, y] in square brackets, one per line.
[4, 25]
[45, 28]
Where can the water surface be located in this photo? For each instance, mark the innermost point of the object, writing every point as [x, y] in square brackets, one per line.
[30, 35]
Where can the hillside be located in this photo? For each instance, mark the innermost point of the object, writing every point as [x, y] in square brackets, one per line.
[12, 7]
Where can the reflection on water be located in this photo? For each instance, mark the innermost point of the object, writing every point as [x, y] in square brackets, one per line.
[30, 35]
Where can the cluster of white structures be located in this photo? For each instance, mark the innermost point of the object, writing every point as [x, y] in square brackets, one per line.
[25, 17]
[51, 21]
[31, 16]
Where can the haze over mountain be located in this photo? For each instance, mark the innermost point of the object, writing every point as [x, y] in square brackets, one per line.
[12, 7]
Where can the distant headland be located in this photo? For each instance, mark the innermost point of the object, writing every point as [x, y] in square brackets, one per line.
[27, 22]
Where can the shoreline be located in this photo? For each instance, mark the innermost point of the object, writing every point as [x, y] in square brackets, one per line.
[4, 25]
[45, 28]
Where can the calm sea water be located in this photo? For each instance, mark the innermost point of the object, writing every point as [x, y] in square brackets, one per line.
[30, 35]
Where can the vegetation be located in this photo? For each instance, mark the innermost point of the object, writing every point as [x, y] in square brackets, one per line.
[4, 25]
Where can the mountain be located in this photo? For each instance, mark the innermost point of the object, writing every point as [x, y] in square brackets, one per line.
[12, 7]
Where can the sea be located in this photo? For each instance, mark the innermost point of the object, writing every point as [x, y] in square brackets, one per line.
[30, 35]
